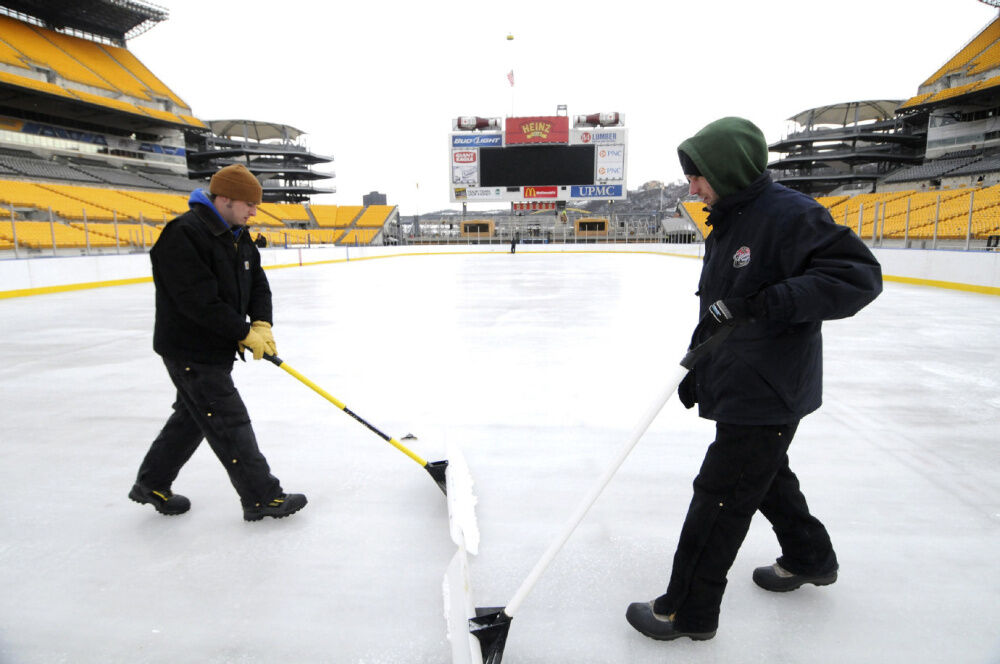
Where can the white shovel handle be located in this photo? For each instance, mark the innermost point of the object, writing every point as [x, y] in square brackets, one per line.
[595, 492]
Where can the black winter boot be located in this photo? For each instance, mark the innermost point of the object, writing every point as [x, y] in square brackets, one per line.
[662, 628]
[779, 580]
[165, 501]
[280, 507]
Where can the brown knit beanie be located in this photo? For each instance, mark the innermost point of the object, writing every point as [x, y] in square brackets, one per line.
[236, 182]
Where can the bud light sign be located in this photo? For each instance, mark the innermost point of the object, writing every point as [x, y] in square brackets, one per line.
[476, 140]
[596, 191]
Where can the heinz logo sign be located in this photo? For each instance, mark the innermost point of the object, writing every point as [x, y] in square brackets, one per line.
[596, 191]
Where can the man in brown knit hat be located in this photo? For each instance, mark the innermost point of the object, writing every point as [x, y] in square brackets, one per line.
[212, 302]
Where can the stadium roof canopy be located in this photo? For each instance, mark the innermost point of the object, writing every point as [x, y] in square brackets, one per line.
[847, 113]
[117, 20]
[252, 129]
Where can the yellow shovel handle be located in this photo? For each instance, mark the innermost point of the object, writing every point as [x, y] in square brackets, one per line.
[340, 404]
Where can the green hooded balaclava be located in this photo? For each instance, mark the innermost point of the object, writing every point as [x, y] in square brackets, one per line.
[730, 153]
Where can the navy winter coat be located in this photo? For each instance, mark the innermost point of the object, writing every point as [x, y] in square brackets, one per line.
[771, 239]
[208, 282]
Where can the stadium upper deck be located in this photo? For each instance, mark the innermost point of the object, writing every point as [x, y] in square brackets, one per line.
[82, 119]
[944, 136]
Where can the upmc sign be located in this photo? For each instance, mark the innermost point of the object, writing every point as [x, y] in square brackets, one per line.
[597, 191]
[537, 129]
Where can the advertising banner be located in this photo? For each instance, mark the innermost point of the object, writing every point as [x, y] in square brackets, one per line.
[597, 136]
[465, 167]
[476, 140]
[477, 194]
[611, 163]
[541, 192]
[537, 129]
[597, 191]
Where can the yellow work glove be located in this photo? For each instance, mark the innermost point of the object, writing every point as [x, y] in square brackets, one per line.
[263, 328]
[256, 343]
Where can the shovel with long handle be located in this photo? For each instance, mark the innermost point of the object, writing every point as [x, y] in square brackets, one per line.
[435, 468]
[491, 625]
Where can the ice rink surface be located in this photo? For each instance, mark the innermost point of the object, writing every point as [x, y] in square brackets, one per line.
[538, 366]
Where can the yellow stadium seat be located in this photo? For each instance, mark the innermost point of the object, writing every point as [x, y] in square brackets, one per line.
[374, 216]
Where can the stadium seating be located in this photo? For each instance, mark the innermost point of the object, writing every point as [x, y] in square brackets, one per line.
[282, 212]
[346, 214]
[9, 55]
[32, 46]
[39, 168]
[699, 215]
[96, 59]
[41, 235]
[26, 194]
[169, 204]
[359, 236]
[94, 204]
[130, 63]
[129, 85]
[961, 60]
[301, 236]
[931, 170]
[903, 214]
[325, 215]
[374, 216]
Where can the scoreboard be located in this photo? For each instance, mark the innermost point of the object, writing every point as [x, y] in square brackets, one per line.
[538, 159]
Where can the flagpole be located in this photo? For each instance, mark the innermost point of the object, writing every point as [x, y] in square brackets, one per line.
[510, 78]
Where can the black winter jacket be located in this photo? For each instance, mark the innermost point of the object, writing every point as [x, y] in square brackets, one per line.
[771, 239]
[208, 281]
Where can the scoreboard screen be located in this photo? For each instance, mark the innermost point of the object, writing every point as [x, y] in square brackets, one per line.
[538, 159]
[527, 165]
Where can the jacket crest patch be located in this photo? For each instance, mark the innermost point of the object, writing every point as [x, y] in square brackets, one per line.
[742, 257]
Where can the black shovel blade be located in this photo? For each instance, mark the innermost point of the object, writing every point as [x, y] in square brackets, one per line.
[490, 627]
[436, 469]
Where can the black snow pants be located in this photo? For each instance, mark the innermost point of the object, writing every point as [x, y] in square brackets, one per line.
[745, 470]
[209, 407]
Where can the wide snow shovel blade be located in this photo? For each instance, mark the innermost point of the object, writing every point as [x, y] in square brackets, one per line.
[435, 468]
[458, 607]
[491, 625]
[461, 502]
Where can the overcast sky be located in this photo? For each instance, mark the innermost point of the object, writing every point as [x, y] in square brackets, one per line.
[376, 84]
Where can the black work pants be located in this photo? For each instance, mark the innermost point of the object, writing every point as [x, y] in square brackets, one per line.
[745, 470]
[209, 407]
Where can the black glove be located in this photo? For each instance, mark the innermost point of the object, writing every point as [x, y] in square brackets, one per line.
[686, 391]
[738, 310]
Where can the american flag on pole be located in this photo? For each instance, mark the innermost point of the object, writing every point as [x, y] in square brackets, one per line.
[510, 77]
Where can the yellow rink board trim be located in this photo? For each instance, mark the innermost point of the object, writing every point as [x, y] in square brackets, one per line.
[64, 288]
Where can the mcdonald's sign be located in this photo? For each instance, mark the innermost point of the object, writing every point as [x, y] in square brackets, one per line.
[541, 192]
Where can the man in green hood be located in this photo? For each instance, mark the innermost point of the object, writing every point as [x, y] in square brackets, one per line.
[776, 266]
